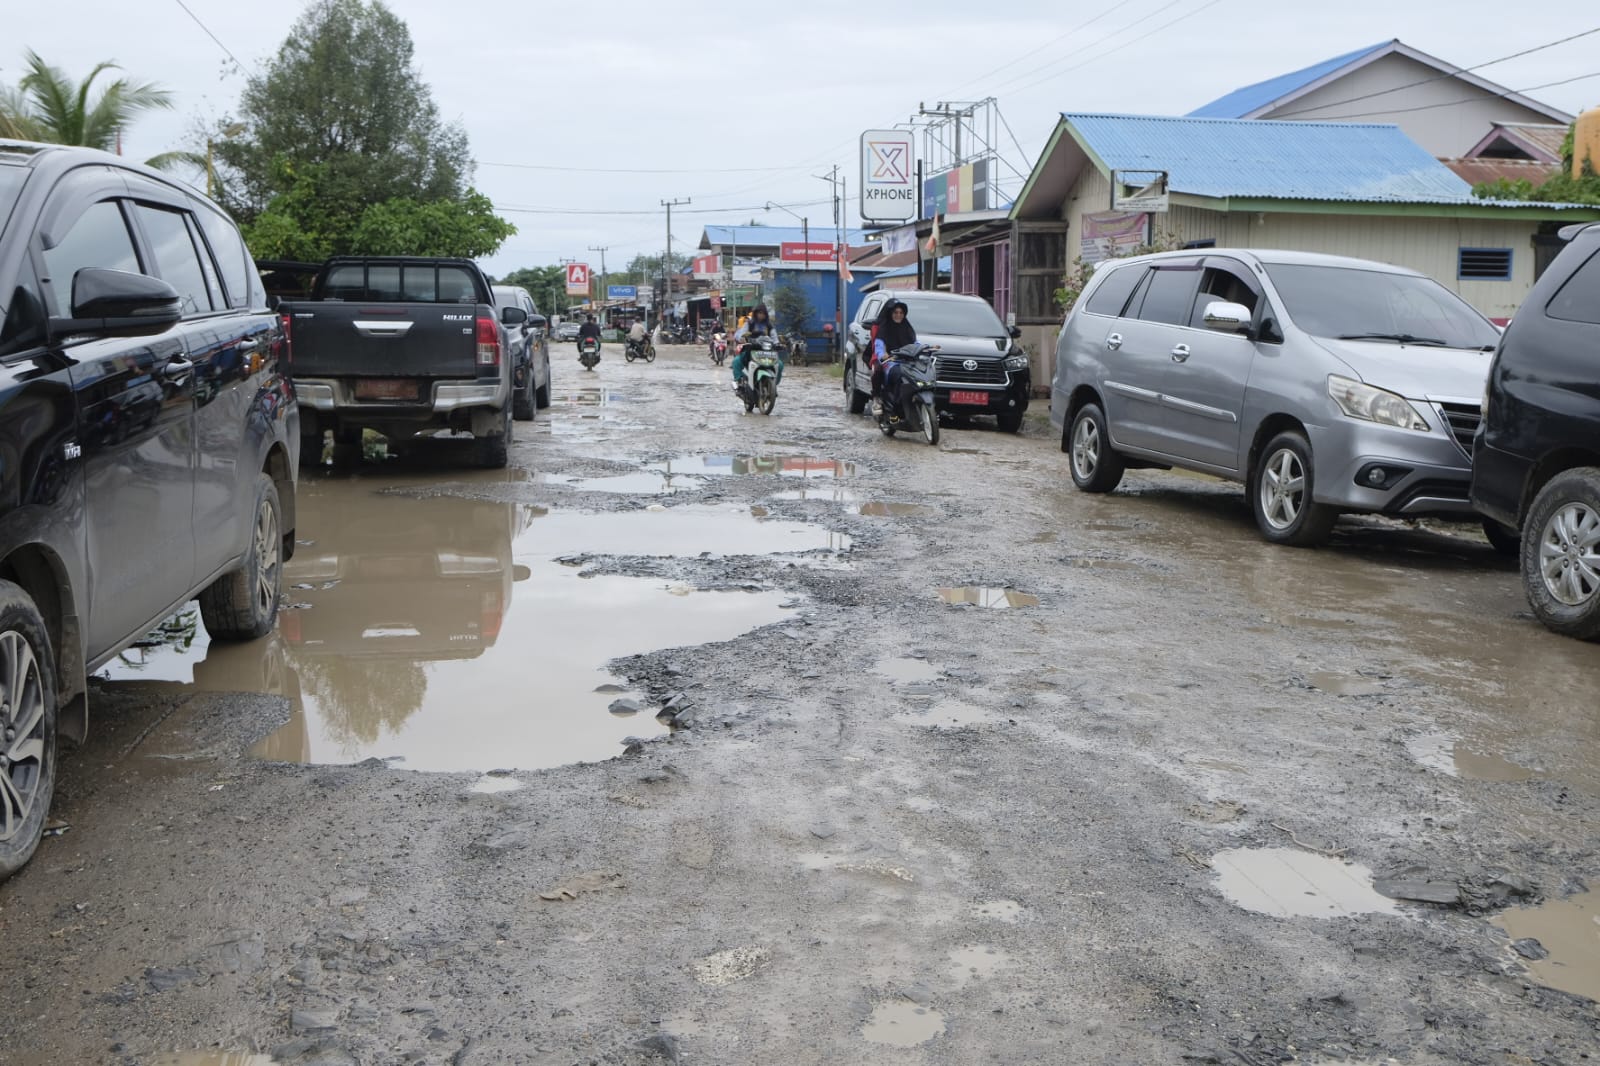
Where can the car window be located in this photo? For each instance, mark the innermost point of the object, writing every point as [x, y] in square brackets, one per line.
[869, 310]
[953, 318]
[1111, 295]
[232, 257]
[22, 319]
[176, 261]
[383, 283]
[99, 238]
[1224, 284]
[455, 286]
[421, 285]
[1578, 299]
[1170, 295]
[1329, 301]
[208, 266]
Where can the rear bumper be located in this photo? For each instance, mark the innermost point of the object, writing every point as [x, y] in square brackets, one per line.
[336, 397]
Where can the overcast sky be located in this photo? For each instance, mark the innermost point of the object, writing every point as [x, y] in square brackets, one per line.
[732, 105]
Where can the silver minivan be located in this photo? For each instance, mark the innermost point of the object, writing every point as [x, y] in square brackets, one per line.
[1325, 384]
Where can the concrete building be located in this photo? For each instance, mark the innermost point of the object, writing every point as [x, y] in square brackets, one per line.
[1440, 106]
[1344, 189]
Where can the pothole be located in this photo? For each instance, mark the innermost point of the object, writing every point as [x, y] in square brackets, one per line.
[975, 963]
[641, 484]
[1447, 754]
[906, 670]
[420, 628]
[825, 491]
[902, 1023]
[979, 596]
[1344, 685]
[882, 509]
[1559, 942]
[948, 714]
[794, 466]
[212, 1058]
[1287, 883]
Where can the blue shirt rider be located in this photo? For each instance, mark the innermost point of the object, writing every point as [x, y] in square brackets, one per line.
[892, 330]
[759, 324]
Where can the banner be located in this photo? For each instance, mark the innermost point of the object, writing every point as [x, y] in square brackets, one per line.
[577, 279]
[1109, 234]
[888, 176]
[707, 267]
[900, 239]
[796, 252]
[622, 292]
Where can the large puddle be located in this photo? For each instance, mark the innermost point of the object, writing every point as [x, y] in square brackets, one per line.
[1286, 883]
[978, 596]
[902, 1023]
[1567, 955]
[454, 634]
[791, 466]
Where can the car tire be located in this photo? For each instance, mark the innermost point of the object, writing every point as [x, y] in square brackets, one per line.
[1561, 553]
[1281, 487]
[243, 603]
[541, 395]
[491, 453]
[1010, 422]
[1503, 539]
[28, 722]
[1095, 467]
[854, 398]
[311, 446]
[524, 404]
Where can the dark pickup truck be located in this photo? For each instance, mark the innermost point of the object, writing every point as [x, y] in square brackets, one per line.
[400, 345]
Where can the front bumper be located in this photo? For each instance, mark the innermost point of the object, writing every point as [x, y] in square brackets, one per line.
[998, 399]
[1423, 473]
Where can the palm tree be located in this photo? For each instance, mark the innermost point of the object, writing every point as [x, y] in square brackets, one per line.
[46, 105]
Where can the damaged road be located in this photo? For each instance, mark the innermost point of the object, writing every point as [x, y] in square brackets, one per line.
[707, 737]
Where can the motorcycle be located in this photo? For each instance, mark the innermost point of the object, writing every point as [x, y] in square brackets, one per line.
[680, 334]
[719, 347]
[589, 352]
[640, 350]
[760, 385]
[909, 404]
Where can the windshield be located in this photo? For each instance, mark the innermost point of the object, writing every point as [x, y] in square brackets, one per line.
[954, 318]
[1329, 301]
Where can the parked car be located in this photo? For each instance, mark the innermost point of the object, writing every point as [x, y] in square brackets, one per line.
[1536, 458]
[149, 441]
[981, 370]
[567, 331]
[398, 345]
[1325, 384]
[527, 347]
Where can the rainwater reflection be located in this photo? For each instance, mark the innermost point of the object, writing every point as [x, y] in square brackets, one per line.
[443, 633]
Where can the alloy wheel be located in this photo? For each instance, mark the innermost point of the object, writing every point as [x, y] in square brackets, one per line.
[1569, 554]
[1086, 449]
[267, 552]
[22, 742]
[1283, 486]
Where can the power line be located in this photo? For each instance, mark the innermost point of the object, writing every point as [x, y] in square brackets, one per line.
[1024, 75]
[607, 213]
[209, 34]
[643, 170]
[1437, 77]
[1471, 99]
[1126, 44]
[1013, 61]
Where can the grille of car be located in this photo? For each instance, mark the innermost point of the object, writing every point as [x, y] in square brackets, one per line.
[1463, 419]
[987, 372]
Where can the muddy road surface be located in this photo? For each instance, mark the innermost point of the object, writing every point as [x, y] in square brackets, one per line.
[700, 736]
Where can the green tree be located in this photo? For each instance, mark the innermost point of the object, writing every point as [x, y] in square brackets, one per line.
[646, 269]
[547, 285]
[1561, 188]
[344, 150]
[790, 307]
[47, 105]
[1077, 278]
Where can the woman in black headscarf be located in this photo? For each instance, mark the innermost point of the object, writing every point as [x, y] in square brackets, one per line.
[892, 330]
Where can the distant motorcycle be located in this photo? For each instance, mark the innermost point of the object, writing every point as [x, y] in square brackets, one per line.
[719, 346]
[760, 385]
[640, 350]
[589, 352]
[909, 402]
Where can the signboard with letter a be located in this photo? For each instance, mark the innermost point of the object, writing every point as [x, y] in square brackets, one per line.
[888, 176]
[577, 279]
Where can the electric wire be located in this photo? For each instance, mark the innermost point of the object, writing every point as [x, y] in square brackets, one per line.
[211, 35]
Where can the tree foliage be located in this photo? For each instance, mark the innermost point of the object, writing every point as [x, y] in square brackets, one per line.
[344, 151]
[47, 105]
[791, 307]
[1560, 188]
[547, 285]
[1077, 278]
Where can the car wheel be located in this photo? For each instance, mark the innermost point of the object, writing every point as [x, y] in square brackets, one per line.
[1281, 493]
[1561, 553]
[243, 603]
[311, 446]
[1095, 466]
[28, 722]
[1502, 539]
[524, 404]
[1010, 422]
[491, 452]
[854, 398]
[541, 395]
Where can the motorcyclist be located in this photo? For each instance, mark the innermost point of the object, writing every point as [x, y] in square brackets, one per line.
[590, 328]
[892, 330]
[638, 335]
[759, 324]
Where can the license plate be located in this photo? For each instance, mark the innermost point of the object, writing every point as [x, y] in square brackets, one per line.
[980, 399]
[386, 389]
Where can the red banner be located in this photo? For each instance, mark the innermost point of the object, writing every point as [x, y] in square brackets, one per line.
[796, 252]
[707, 266]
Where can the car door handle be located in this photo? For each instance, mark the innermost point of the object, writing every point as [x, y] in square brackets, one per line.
[176, 369]
[1180, 352]
[1114, 341]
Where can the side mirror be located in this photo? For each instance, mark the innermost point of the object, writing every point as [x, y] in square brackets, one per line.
[858, 333]
[118, 303]
[1015, 331]
[1227, 317]
[513, 316]
[538, 321]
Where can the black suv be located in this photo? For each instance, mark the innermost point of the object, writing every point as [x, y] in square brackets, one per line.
[148, 441]
[1536, 457]
[981, 370]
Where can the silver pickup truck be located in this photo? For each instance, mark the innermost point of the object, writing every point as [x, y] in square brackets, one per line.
[400, 345]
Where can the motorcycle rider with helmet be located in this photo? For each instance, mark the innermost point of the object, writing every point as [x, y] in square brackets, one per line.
[757, 325]
[585, 331]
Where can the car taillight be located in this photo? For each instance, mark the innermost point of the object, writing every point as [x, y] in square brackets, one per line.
[493, 615]
[288, 349]
[488, 341]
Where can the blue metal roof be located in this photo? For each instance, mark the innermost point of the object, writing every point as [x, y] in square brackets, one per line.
[910, 269]
[1250, 158]
[1245, 101]
[759, 236]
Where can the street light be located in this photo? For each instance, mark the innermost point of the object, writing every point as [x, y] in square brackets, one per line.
[805, 232]
[232, 130]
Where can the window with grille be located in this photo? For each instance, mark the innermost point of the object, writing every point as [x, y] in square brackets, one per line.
[1484, 264]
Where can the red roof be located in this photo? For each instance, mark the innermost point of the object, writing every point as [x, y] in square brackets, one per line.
[1474, 171]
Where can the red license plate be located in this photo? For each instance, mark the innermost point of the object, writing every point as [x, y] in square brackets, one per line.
[386, 389]
[981, 399]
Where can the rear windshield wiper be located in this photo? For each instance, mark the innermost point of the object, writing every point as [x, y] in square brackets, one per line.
[1403, 338]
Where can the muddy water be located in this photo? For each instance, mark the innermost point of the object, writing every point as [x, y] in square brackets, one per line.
[1445, 753]
[902, 1023]
[641, 484]
[212, 1058]
[1569, 929]
[790, 466]
[1286, 883]
[975, 596]
[419, 629]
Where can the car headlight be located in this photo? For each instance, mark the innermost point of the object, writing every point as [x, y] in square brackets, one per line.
[1359, 400]
[1016, 362]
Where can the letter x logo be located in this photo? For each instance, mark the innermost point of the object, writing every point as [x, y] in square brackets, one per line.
[890, 162]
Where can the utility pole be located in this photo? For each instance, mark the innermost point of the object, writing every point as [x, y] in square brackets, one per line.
[603, 292]
[666, 260]
[834, 183]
